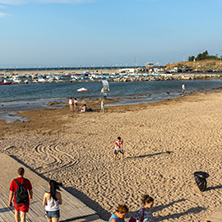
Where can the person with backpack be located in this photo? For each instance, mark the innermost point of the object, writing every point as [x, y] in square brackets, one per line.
[21, 190]
[145, 214]
[51, 201]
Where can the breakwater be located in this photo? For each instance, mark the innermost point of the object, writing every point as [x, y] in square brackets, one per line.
[167, 77]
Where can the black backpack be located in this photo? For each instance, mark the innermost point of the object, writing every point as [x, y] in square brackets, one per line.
[21, 193]
[201, 183]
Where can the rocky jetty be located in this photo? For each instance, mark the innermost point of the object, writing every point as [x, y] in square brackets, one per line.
[166, 77]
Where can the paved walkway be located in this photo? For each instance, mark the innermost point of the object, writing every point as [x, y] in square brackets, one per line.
[72, 209]
[216, 216]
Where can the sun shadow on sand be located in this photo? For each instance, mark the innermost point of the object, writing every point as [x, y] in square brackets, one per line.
[193, 210]
[103, 214]
[89, 202]
[214, 188]
[157, 209]
[148, 155]
[161, 207]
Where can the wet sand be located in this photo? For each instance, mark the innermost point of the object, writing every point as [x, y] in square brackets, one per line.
[164, 144]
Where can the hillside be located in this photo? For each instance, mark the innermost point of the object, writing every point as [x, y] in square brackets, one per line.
[201, 65]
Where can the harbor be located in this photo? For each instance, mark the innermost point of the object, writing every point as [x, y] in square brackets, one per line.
[115, 74]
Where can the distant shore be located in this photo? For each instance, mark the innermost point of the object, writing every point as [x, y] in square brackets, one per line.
[142, 77]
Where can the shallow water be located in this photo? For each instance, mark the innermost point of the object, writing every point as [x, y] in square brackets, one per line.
[23, 97]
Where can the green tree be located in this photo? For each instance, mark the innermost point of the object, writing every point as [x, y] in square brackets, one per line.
[205, 55]
[191, 58]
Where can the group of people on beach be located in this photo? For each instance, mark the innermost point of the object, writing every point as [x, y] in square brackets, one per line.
[144, 214]
[21, 190]
[73, 106]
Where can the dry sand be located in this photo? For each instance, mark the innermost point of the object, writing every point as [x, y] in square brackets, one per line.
[77, 149]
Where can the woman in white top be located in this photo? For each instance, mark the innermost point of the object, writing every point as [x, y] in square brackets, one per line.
[51, 201]
[71, 104]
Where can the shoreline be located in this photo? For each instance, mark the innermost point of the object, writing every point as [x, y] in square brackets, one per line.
[58, 108]
[10, 111]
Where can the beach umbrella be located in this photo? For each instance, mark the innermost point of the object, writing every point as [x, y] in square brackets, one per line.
[82, 90]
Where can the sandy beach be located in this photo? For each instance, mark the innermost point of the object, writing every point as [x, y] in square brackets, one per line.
[164, 144]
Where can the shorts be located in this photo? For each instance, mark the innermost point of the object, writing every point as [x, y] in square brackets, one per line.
[52, 214]
[118, 151]
[22, 207]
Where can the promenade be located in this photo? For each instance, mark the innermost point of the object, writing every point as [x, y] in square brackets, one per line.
[72, 209]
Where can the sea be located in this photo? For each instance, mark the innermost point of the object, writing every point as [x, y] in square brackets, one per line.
[22, 97]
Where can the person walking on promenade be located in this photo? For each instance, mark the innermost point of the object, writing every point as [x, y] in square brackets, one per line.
[51, 201]
[71, 104]
[119, 215]
[118, 148]
[183, 89]
[21, 189]
[75, 104]
[145, 214]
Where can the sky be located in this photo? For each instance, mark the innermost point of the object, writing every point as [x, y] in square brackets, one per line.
[107, 32]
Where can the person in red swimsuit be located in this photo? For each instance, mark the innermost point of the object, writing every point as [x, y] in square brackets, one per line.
[22, 208]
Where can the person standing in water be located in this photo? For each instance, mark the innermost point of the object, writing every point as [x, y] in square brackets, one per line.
[183, 89]
[51, 201]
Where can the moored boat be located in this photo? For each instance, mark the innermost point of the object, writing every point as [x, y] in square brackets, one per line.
[5, 82]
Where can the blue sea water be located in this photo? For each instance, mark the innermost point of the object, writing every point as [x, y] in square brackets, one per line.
[20, 97]
[29, 92]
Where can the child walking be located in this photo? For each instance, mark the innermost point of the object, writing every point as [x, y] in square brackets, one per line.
[118, 148]
[102, 106]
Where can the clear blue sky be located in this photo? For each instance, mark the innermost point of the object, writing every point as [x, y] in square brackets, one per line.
[107, 32]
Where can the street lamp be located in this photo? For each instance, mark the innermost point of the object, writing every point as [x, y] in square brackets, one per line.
[220, 58]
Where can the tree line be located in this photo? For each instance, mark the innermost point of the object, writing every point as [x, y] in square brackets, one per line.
[202, 56]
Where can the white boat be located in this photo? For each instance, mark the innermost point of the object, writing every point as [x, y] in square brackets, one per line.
[40, 79]
[16, 79]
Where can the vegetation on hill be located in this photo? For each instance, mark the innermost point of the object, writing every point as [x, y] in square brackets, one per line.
[201, 63]
[203, 56]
